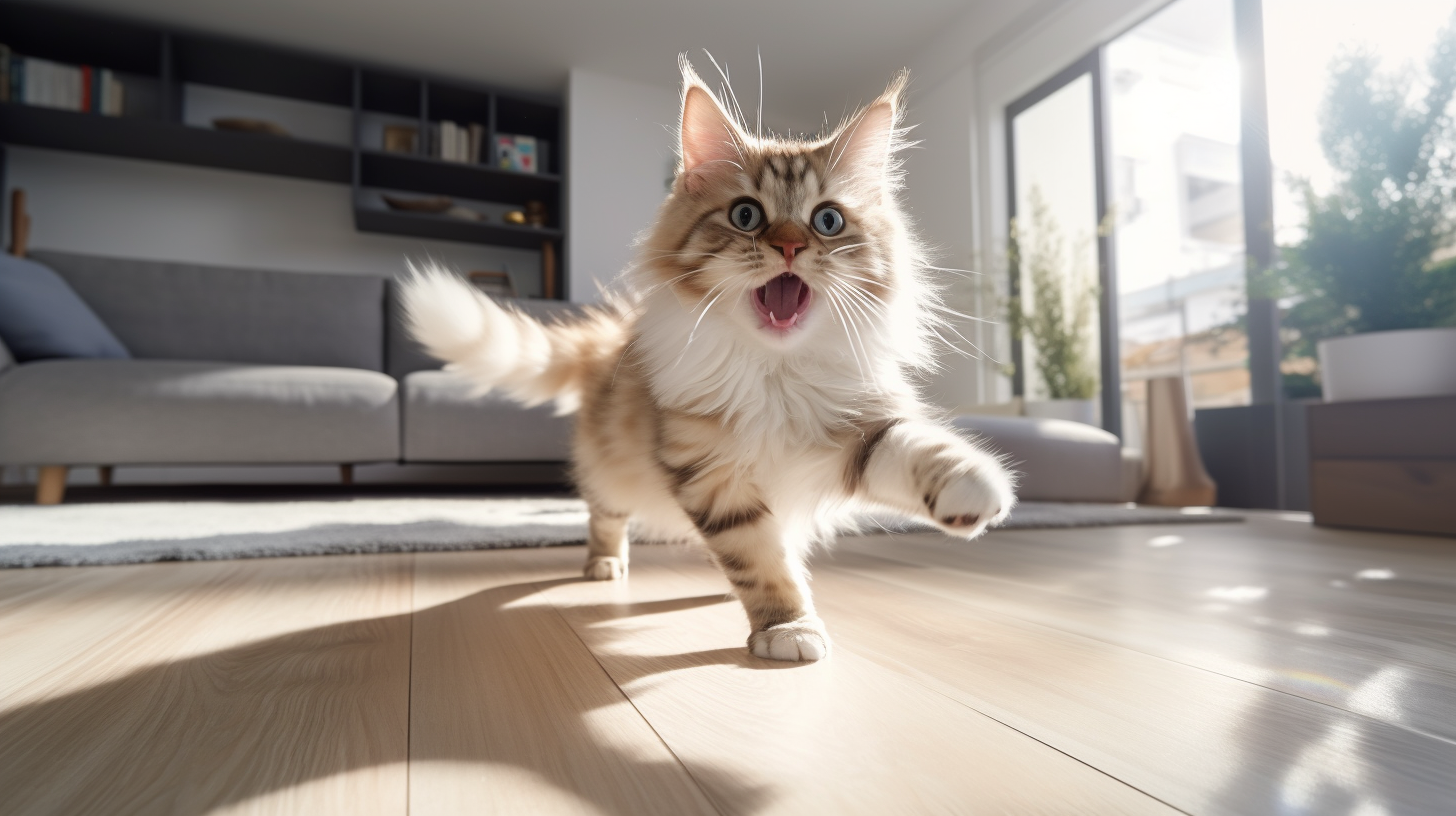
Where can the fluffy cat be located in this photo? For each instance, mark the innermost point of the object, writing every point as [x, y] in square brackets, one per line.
[753, 388]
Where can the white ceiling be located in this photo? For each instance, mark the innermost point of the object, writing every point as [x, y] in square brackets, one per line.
[818, 55]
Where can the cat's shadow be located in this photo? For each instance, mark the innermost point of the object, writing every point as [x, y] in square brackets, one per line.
[197, 734]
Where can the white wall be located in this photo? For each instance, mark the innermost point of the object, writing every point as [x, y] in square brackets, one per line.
[939, 197]
[621, 155]
[140, 209]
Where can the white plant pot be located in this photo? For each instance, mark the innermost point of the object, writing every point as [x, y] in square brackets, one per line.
[1389, 365]
[1077, 410]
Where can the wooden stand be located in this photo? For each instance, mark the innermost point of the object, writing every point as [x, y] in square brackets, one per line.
[19, 224]
[548, 270]
[1175, 473]
[346, 474]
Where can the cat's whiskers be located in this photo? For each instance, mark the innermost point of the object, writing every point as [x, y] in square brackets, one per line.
[941, 307]
[946, 324]
[848, 247]
[838, 293]
[948, 269]
[830, 298]
[861, 309]
[694, 333]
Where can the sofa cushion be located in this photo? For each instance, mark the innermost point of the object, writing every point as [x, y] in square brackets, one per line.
[404, 355]
[117, 412]
[178, 311]
[446, 419]
[1058, 460]
[41, 317]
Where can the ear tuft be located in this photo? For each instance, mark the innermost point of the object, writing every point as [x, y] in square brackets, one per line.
[710, 141]
[865, 145]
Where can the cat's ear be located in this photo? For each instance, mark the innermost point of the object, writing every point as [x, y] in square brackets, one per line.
[865, 145]
[709, 139]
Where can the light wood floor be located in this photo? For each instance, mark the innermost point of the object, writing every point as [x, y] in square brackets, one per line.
[1265, 667]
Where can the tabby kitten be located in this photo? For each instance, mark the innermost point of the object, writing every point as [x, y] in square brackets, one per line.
[753, 390]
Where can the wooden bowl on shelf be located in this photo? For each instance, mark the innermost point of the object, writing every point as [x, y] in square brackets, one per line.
[433, 204]
[239, 124]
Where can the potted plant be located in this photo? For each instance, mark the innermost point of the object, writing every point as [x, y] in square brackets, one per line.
[1057, 317]
[1373, 279]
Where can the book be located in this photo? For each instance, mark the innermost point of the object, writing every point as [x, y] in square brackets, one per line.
[449, 140]
[505, 151]
[462, 147]
[525, 156]
[477, 135]
[113, 100]
[35, 75]
[4, 73]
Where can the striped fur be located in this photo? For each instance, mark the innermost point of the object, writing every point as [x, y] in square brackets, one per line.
[697, 419]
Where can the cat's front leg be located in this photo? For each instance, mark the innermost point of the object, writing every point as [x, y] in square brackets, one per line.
[930, 471]
[768, 576]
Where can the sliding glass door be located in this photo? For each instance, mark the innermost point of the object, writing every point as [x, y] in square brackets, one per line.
[1174, 114]
[1060, 257]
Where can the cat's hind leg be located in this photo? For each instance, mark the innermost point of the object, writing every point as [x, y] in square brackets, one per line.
[606, 546]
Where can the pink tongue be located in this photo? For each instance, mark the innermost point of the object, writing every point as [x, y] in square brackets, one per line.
[781, 295]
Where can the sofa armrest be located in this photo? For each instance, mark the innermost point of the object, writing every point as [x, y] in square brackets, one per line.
[7, 360]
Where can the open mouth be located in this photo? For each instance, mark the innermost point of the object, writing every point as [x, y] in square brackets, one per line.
[782, 301]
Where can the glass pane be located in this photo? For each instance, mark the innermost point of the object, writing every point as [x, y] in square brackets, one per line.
[1056, 236]
[1350, 85]
[1177, 196]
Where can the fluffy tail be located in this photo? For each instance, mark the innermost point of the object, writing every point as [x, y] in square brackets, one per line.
[500, 347]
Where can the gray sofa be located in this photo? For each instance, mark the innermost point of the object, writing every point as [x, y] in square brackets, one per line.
[242, 366]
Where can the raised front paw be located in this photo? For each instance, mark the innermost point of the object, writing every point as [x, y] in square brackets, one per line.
[969, 503]
[605, 568]
[803, 639]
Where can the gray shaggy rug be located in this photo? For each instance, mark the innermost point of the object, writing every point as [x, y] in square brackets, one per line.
[146, 531]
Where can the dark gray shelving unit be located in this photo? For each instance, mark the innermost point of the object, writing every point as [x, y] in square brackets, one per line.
[158, 64]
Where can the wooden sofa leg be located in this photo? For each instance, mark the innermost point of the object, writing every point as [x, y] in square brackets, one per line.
[346, 474]
[104, 473]
[52, 486]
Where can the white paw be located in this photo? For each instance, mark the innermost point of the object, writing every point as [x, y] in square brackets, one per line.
[977, 499]
[803, 639]
[605, 568]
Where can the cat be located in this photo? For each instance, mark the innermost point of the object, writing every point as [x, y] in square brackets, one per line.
[755, 387]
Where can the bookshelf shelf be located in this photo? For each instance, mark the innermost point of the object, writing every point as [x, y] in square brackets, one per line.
[159, 66]
[445, 228]
[138, 138]
[438, 177]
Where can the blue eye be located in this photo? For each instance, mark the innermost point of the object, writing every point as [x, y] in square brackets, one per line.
[827, 221]
[745, 215]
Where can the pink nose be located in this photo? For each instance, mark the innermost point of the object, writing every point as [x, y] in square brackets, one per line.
[788, 248]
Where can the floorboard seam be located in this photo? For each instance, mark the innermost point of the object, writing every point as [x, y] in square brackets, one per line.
[409, 694]
[625, 696]
[990, 612]
[870, 655]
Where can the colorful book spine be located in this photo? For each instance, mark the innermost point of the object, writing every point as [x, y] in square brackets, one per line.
[525, 154]
[505, 152]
